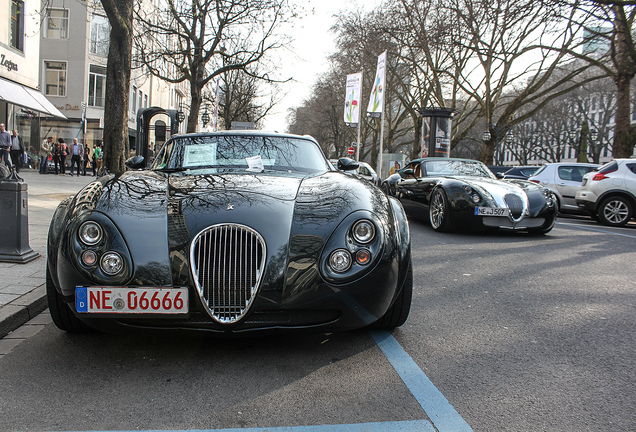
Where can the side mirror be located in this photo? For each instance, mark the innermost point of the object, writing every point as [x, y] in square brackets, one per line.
[346, 164]
[499, 175]
[136, 162]
[408, 172]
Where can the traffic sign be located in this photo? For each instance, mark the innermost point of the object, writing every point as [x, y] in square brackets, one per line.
[350, 150]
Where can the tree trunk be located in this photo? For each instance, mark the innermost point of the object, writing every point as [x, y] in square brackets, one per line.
[582, 156]
[623, 147]
[116, 144]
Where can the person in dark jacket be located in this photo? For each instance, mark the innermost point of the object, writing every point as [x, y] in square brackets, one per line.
[62, 155]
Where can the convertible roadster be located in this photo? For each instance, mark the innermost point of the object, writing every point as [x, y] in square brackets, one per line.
[230, 233]
[463, 193]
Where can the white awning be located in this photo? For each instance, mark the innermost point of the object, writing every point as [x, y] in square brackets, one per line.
[27, 97]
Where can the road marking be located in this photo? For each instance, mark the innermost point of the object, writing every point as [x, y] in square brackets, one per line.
[595, 229]
[444, 417]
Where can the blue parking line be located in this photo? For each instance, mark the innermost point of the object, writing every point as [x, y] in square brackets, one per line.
[595, 229]
[444, 417]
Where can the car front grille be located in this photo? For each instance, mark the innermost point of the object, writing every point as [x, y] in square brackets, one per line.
[515, 204]
[227, 264]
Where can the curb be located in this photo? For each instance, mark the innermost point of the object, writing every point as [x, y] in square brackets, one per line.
[22, 310]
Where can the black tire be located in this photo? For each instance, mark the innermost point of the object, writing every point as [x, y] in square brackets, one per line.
[60, 312]
[397, 314]
[439, 211]
[546, 227]
[615, 211]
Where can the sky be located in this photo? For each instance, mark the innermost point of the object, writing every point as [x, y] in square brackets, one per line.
[313, 42]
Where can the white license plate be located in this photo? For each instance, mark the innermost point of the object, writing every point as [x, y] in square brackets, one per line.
[490, 211]
[123, 300]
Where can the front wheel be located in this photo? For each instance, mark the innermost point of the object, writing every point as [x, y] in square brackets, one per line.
[399, 310]
[546, 227]
[615, 211]
[61, 314]
[439, 211]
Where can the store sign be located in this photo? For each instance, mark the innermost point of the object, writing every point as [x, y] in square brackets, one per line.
[5, 62]
[68, 107]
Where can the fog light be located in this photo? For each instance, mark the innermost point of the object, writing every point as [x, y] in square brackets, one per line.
[363, 257]
[111, 263]
[89, 258]
[340, 261]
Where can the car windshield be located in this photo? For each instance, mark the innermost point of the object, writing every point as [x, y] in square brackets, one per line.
[248, 152]
[457, 167]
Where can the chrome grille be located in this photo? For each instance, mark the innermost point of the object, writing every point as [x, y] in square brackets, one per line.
[515, 204]
[227, 263]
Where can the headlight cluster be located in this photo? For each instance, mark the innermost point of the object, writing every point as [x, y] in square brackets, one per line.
[474, 196]
[91, 235]
[549, 196]
[362, 233]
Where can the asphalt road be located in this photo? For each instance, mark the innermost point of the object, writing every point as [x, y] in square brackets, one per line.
[517, 332]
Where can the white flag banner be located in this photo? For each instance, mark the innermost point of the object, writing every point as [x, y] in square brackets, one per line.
[376, 100]
[352, 99]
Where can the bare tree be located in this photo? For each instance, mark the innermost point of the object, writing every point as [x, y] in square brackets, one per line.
[608, 27]
[195, 42]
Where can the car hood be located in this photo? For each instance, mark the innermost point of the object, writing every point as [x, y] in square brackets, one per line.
[158, 214]
[500, 187]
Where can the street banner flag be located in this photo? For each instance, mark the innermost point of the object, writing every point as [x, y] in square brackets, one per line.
[352, 99]
[376, 100]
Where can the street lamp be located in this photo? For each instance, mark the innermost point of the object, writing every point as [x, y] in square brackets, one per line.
[593, 134]
[205, 117]
[486, 136]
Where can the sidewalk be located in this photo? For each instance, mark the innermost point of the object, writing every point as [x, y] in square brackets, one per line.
[22, 286]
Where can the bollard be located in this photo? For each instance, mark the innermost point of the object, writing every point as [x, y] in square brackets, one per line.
[14, 225]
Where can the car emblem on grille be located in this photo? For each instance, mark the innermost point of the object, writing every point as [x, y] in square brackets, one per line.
[230, 207]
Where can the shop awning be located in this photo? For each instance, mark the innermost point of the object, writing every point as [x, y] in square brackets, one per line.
[27, 97]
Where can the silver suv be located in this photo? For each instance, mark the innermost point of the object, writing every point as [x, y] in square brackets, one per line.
[609, 194]
[564, 179]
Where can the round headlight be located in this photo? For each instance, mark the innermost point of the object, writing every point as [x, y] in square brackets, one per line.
[340, 260]
[476, 198]
[111, 263]
[90, 233]
[363, 231]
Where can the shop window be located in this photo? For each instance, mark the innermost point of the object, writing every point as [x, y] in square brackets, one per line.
[55, 76]
[57, 23]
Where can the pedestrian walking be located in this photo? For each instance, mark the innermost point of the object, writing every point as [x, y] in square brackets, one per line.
[99, 156]
[77, 155]
[45, 152]
[85, 159]
[62, 156]
[55, 154]
[5, 145]
[17, 150]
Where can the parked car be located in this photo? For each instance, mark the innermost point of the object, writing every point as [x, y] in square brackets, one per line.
[230, 233]
[498, 170]
[454, 193]
[520, 172]
[609, 194]
[564, 180]
[364, 170]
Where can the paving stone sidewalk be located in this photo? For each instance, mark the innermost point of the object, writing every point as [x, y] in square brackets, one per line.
[22, 289]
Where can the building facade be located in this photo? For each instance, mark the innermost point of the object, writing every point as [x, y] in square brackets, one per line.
[22, 105]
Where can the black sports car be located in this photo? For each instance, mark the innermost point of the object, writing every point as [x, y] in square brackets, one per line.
[462, 193]
[229, 233]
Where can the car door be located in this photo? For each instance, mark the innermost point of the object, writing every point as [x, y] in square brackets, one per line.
[568, 181]
[410, 192]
